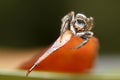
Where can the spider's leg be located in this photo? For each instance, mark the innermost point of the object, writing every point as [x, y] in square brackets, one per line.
[66, 20]
[83, 43]
[90, 23]
[86, 36]
[72, 29]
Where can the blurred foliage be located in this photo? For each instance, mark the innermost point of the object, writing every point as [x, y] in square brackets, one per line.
[32, 23]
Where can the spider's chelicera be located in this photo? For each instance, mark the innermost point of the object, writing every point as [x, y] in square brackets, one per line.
[79, 25]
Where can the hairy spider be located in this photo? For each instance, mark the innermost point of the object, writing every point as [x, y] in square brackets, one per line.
[79, 25]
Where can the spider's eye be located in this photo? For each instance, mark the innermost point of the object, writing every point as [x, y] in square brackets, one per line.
[80, 23]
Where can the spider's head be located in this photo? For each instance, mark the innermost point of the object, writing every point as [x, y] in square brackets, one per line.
[82, 23]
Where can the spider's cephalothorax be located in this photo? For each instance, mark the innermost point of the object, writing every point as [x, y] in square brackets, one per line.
[79, 25]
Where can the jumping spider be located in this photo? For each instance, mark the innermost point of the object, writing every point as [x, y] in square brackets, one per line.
[79, 25]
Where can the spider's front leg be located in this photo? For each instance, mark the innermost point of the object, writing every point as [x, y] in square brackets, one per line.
[86, 36]
[66, 20]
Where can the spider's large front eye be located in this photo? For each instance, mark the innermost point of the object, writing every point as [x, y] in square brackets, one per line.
[80, 24]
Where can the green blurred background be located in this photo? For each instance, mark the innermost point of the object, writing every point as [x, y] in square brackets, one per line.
[35, 23]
